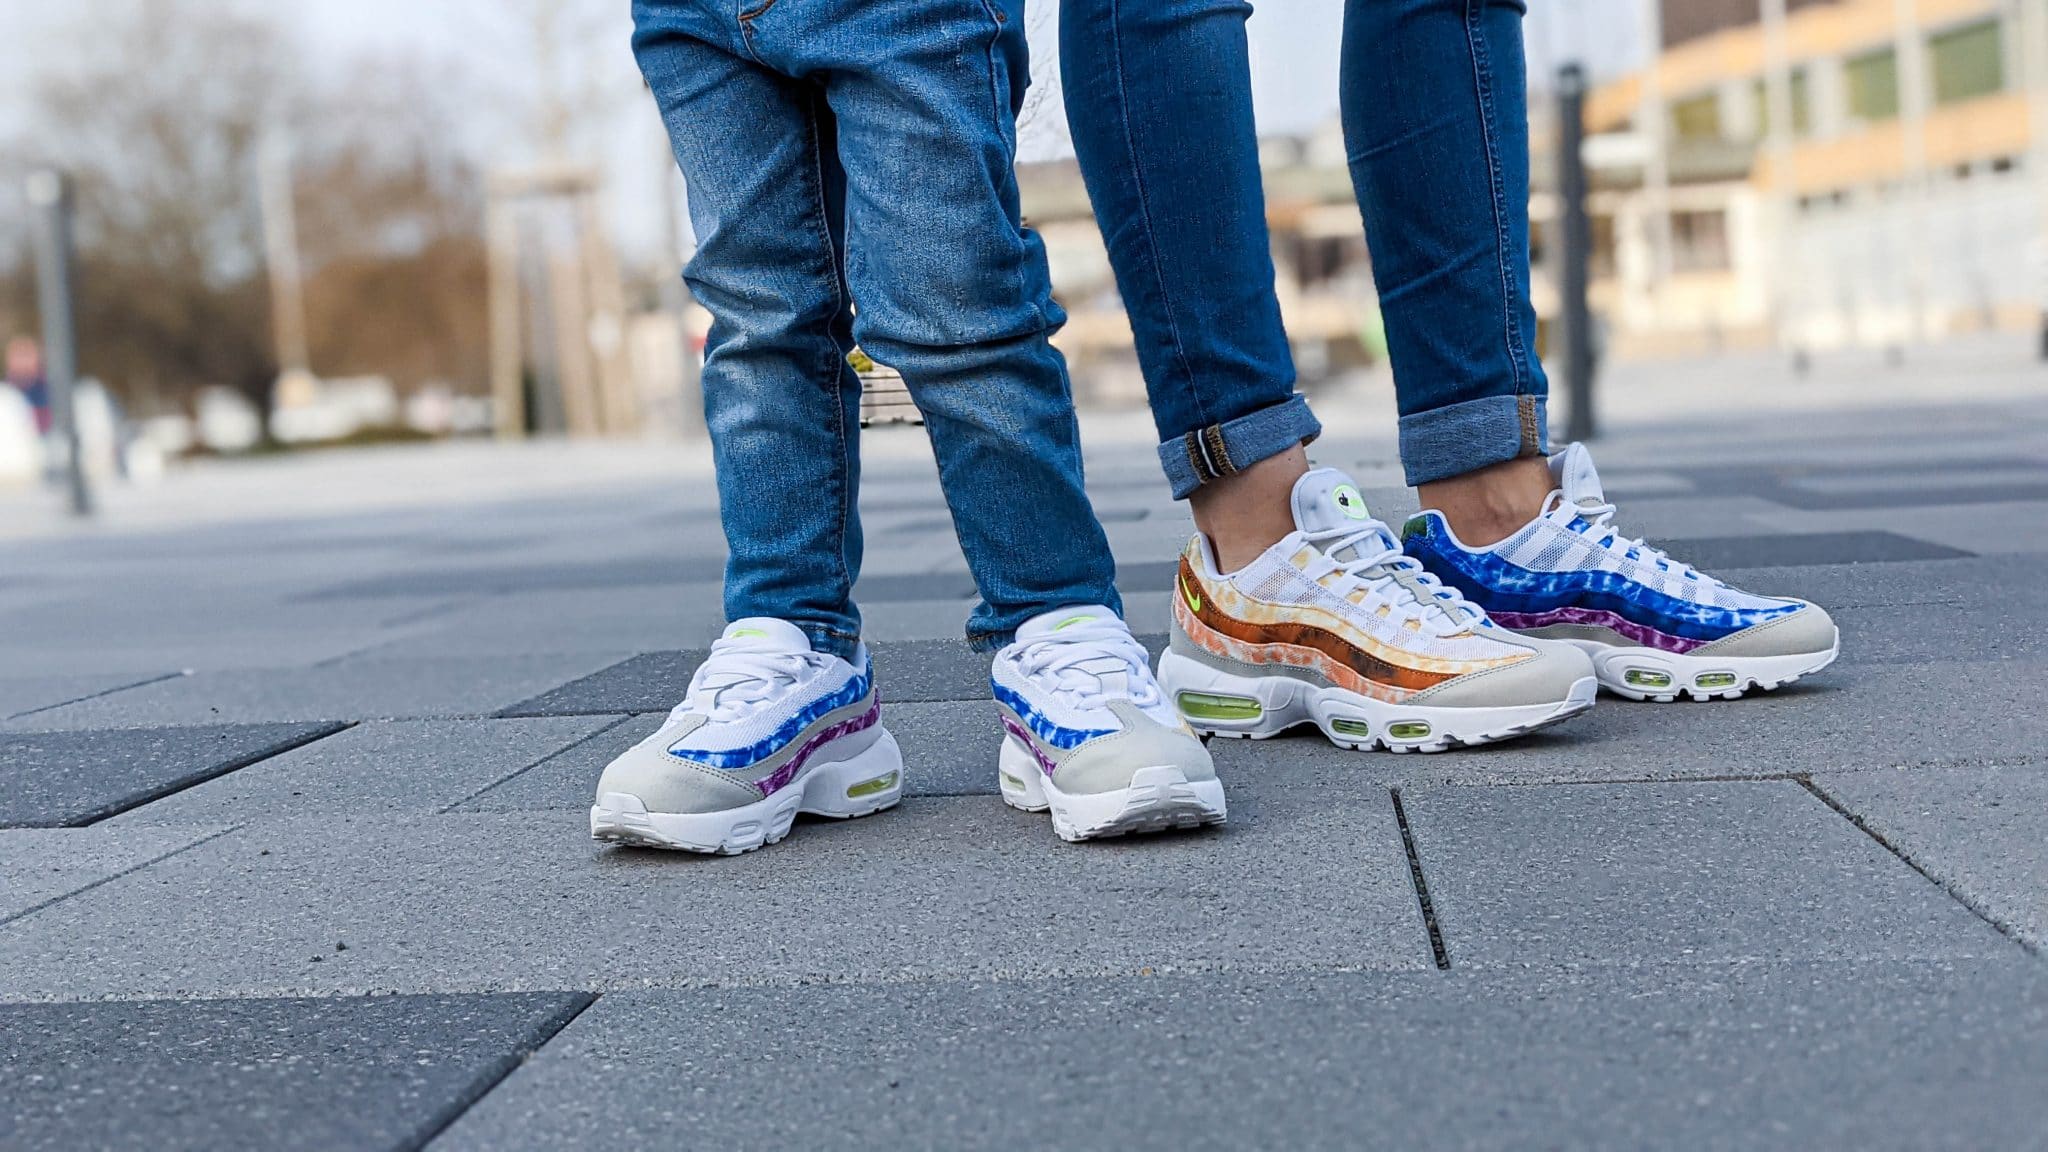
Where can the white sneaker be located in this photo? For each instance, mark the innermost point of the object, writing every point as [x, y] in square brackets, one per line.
[768, 729]
[1092, 737]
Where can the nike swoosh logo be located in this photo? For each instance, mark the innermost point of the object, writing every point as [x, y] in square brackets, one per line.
[1194, 601]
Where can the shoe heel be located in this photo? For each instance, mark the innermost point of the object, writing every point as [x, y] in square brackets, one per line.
[860, 785]
[1020, 778]
[1217, 703]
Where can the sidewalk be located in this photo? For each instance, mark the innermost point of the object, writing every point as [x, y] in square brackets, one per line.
[293, 848]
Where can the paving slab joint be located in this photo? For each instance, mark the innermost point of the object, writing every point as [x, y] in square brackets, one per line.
[1415, 877]
[1976, 908]
[506, 1065]
[556, 754]
[108, 879]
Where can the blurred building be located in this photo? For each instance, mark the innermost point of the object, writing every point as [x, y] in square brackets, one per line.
[1902, 201]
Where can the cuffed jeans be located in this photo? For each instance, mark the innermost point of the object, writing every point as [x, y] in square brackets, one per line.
[837, 150]
[1436, 127]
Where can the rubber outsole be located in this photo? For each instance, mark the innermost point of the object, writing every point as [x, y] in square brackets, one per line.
[1349, 720]
[1160, 798]
[823, 789]
[1655, 676]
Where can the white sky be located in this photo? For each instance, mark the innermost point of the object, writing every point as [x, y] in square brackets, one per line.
[1294, 47]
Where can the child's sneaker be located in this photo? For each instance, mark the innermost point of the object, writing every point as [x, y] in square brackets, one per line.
[1333, 626]
[1655, 628]
[1092, 737]
[768, 729]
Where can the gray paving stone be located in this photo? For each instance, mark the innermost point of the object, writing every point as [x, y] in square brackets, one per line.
[39, 865]
[54, 779]
[1673, 873]
[353, 689]
[1796, 549]
[1982, 832]
[1878, 1056]
[405, 765]
[941, 887]
[370, 1073]
[567, 780]
[1849, 717]
[2004, 579]
[614, 572]
[906, 670]
[20, 696]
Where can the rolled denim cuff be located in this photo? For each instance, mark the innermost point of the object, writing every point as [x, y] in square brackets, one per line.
[1460, 438]
[1226, 449]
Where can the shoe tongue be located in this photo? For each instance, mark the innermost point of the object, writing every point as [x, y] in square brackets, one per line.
[1048, 625]
[1576, 478]
[1326, 500]
[767, 634]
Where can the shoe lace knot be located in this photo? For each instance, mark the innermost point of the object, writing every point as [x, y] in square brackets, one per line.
[1091, 665]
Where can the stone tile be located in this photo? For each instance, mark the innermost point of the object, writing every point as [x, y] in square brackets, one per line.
[39, 865]
[1849, 717]
[936, 888]
[615, 572]
[1981, 831]
[404, 765]
[372, 1073]
[21, 696]
[567, 780]
[1918, 1056]
[353, 689]
[1788, 550]
[1673, 873]
[52, 779]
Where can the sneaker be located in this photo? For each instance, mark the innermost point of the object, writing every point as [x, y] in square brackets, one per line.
[1334, 626]
[1090, 735]
[1656, 628]
[768, 729]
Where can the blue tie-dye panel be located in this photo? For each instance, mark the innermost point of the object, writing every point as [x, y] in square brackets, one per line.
[1065, 739]
[1501, 587]
[728, 760]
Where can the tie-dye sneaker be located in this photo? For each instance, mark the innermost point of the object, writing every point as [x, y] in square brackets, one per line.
[1334, 626]
[1656, 628]
[768, 729]
[1090, 735]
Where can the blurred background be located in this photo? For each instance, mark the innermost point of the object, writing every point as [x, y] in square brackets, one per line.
[364, 221]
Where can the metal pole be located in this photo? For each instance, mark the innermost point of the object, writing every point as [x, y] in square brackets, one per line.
[1578, 245]
[1653, 121]
[49, 197]
[1783, 186]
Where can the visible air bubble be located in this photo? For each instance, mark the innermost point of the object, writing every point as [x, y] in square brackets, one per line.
[1351, 727]
[880, 783]
[1205, 706]
[1715, 680]
[1407, 730]
[1011, 783]
[1645, 678]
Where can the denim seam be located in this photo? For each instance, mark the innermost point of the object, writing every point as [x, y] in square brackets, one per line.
[1217, 451]
[1475, 12]
[1000, 107]
[1123, 107]
[746, 17]
[836, 367]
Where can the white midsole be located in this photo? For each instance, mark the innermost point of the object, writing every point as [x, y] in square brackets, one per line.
[825, 787]
[1285, 702]
[1159, 796]
[1615, 663]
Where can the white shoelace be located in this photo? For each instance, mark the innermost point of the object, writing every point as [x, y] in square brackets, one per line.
[1091, 664]
[1600, 529]
[738, 678]
[1377, 564]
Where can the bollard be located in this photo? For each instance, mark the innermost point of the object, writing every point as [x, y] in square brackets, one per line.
[49, 198]
[1577, 245]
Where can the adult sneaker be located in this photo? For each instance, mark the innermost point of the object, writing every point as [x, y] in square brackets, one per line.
[1656, 628]
[1334, 626]
[768, 729]
[1090, 736]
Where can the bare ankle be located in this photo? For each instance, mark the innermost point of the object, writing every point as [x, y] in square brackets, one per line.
[1245, 514]
[1491, 504]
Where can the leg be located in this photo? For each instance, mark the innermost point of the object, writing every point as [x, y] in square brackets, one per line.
[1159, 101]
[953, 293]
[1436, 123]
[780, 400]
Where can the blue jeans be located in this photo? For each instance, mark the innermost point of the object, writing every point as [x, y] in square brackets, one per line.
[838, 151]
[1436, 126]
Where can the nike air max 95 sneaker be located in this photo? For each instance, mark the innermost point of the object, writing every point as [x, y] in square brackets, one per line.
[1656, 628]
[1334, 626]
[1089, 735]
[768, 729]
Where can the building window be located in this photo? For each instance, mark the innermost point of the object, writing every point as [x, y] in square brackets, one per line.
[1699, 241]
[1968, 62]
[1697, 118]
[1874, 85]
[1802, 105]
